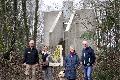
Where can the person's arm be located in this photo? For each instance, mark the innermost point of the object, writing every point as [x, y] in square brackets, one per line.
[93, 56]
[65, 61]
[37, 56]
[25, 56]
[81, 60]
[77, 61]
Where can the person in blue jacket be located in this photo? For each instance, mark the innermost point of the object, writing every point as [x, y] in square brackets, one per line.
[87, 59]
[71, 63]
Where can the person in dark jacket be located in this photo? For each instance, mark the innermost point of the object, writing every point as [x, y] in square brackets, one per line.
[71, 63]
[31, 58]
[88, 59]
[47, 70]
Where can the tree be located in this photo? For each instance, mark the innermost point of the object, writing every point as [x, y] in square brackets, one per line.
[26, 27]
[36, 21]
[107, 40]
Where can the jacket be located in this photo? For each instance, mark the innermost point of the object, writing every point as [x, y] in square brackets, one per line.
[31, 56]
[71, 63]
[44, 60]
[88, 56]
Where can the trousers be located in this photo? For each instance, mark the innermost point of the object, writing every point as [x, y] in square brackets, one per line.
[87, 72]
[28, 67]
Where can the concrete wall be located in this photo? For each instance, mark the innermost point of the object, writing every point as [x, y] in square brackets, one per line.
[56, 32]
[49, 18]
[80, 21]
[83, 21]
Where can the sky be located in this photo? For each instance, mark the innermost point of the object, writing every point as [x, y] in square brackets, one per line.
[56, 4]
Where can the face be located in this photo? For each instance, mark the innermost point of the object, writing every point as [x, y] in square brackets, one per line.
[45, 48]
[71, 50]
[31, 44]
[85, 45]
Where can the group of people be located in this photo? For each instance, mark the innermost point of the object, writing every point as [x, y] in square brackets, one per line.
[71, 61]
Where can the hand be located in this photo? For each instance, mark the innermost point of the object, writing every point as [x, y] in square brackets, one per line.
[36, 64]
[94, 66]
[80, 63]
[24, 64]
[43, 64]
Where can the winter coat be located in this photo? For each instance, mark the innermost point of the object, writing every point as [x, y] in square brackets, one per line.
[31, 56]
[71, 63]
[88, 56]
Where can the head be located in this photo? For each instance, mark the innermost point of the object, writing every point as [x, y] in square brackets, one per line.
[31, 43]
[45, 48]
[72, 49]
[85, 44]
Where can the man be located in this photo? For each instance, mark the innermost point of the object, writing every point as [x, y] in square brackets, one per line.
[31, 58]
[70, 64]
[88, 59]
[47, 70]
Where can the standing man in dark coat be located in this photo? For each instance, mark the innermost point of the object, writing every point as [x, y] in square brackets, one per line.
[88, 59]
[31, 58]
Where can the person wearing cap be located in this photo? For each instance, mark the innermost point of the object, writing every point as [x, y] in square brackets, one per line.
[87, 59]
[71, 63]
[31, 58]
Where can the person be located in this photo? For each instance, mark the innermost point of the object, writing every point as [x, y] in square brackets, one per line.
[71, 63]
[88, 59]
[47, 70]
[31, 59]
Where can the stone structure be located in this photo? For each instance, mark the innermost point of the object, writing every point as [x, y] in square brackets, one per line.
[67, 26]
[81, 21]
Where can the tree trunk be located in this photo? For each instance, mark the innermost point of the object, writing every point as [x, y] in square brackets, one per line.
[25, 20]
[36, 21]
[14, 33]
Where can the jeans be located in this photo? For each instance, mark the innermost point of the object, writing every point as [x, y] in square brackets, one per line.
[88, 72]
[48, 73]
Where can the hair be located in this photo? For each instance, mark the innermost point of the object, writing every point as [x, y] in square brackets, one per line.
[72, 46]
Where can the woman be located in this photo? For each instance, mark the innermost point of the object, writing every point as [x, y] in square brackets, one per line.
[47, 70]
[71, 63]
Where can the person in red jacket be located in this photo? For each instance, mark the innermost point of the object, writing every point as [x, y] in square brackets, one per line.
[31, 58]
